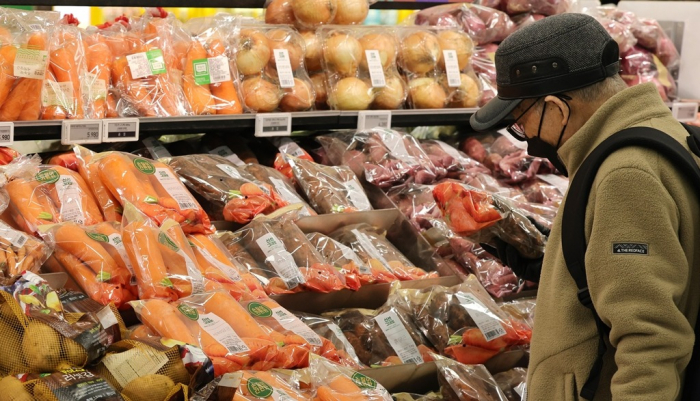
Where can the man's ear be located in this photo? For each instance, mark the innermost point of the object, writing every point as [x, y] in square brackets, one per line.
[563, 108]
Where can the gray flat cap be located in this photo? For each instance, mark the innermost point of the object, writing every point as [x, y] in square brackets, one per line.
[554, 55]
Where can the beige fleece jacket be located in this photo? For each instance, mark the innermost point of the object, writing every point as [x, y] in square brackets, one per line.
[637, 197]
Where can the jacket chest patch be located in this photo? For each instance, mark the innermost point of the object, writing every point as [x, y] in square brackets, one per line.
[630, 248]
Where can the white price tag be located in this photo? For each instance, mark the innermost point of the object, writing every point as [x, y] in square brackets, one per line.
[81, 132]
[454, 80]
[222, 332]
[69, 194]
[226, 152]
[120, 130]
[368, 119]
[284, 68]
[281, 260]
[685, 112]
[283, 191]
[7, 133]
[230, 171]
[399, 338]
[376, 70]
[16, 238]
[172, 185]
[31, 63]
[273, 124]
[293, 324]
[488, 323]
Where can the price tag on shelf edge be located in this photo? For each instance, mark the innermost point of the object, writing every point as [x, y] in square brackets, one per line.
[369, 119]
[273, 124]
[81, 132]
[7, 133]
[685, 111]
[120, 130]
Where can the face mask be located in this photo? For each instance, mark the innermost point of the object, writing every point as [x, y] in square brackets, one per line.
[539, 148]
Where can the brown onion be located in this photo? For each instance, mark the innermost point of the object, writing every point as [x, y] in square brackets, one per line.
[314, 51]
[343, 54]
[253, 52]
[299, 98]
[351, 12]
[420, 52]
[383, 43]
[466, 95]
[319, 83]
[314, 12]
[284, 39]
[426, 93]
[351, 94]
[279, 12]
[260, 95]
[392, 96]
[460, 43]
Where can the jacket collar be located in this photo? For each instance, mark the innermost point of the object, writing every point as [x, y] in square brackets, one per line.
[626, 109]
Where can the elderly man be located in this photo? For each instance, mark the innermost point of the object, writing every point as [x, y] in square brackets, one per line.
[558, 82]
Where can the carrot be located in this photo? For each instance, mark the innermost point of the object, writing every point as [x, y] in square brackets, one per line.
[214, 262]
[64, 65]
[120, 177]
[225, 307]
[32, 203]
[270, 379]
[110, 206]
[199, 96]
[32, 106]
[137, 90]
[164, 319]
[14, 104]
[114, 235]
[88, 206]
[5, 36]
[343, 384]
[111, 106]
[140, 241]
[7, 78]
[223, 366]
[326, 394]
[224, 93]
[99, 63]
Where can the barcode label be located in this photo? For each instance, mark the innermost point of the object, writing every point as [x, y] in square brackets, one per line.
[289, 147]
[222, 332]
[376, 70]
[175, 189]
[284, 68]
[31, 63]
[488, 323]
[195, 275]
[454, 80]
[281, 260]
[16, 238]
[57, 94]
[69, 194]
[399, 338]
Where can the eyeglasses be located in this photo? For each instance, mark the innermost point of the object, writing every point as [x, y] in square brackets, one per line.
[516, 129]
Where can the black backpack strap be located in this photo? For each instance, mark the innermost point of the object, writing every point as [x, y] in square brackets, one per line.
[573, 230]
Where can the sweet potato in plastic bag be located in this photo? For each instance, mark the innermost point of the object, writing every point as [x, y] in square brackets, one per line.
[232, 193]
[483, 24]
[330, 189]
[96, 259]
[281, 184]
[467, 382]
[463, 321]
[286, 261]
[153, 188]
[325, 328]
[383, 337]
[376, 251]
[356, 272]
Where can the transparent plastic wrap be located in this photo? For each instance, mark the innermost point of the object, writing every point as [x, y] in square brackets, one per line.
[215, 323]
[98, 79]
[463, 322]
[333, 382]
[281, 184]
[325, 328]
[544, 193]
[152, 187]
[376, 251]
[466, 211]
[96, 259]
[287, 146]
[485, 69]
[20, 252]
[383, 337]
[457, 164]
[481, 23]
[330, 189]
[231, 193]
[207, 81]
[309, 14]
[388, 158]
[543, 7]
[639, 65]
[109, 205]
[268, 386]
[620, 32]
[460, 382]
[148, 70]
[512, 383]
[73, 383]
[335, 144]
[270, 69]
[437, 65]
[416, 202]
[356, 272]
[285, 261]
[359, 64]
[44, 194]
[522, 309]
[24, 61]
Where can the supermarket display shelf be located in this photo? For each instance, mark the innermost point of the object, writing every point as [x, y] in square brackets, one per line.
[245, 123]
[380, 5]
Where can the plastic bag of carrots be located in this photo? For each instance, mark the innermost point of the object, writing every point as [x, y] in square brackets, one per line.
[269, 386]
[332, 382]
[109, 204]
[44, 194]
[217, 324]
[96, 259]
[24, 61]
[20, 252]
[207, 80]
[98, 79]
[150, 186]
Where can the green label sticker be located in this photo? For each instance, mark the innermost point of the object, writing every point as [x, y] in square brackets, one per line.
[363, 381]
[144, 166]
[190, 312]
[165, 240]
[47, 176]
[259, 310]
[98, 237]
[156, 61]
[201, 71]
[259, 389]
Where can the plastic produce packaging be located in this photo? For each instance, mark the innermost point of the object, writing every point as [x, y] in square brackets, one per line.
[96, 259]
[330, 189]
[463, 322]
[20, 252]
[24, 61]
[483, 24]
[270, 68]
[457, 164]
[436, 63]
[287, 147]
[360, 68]
[268, 386]
[333, 382]
[312, 13]
[152, 187]
[325, 328]
[285, 261]
[467, 382]
[344, 259]
[376, 251]
[231, 193]
[73, 383]
[39, 332]
[543, 7]
[98, 79]
[512, 383]
[281, 184]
